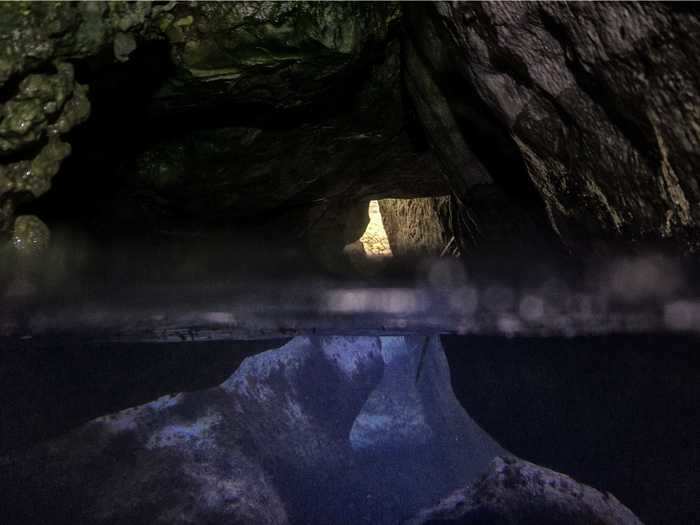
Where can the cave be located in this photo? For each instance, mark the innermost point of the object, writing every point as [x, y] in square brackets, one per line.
[349, 262]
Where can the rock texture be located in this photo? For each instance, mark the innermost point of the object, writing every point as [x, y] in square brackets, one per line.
[322, 430]
[515, 491]
[594, 106]
[40, 100]
[311, 180]
[418, 227]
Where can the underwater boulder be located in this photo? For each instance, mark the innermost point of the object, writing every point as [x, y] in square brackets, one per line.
[309, 432]
[514, 491]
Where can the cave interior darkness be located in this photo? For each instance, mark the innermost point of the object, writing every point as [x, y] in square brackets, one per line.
[197, 202]
[121, 227]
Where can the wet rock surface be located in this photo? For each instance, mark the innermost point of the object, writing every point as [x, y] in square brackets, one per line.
[40, 100]
[594, 106]
[277, 55]
[33, 121]
[306, 433]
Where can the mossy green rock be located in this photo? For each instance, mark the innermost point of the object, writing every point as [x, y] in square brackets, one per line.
[33, 34]
[30, 235]
[40, 100]
[282, 54]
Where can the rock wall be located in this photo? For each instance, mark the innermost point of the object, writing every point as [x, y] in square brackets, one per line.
[417, 227]
[279, 55]
[321, 430]
[515, 491]
[592, 106]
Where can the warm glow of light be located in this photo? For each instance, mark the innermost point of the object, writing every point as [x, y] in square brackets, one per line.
[374, 240]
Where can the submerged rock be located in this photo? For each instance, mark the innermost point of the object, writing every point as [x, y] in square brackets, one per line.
[306, 433]
[516, 491]
[322, 430]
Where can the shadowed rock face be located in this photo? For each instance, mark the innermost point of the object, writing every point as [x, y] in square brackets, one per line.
[553, 123]
[321, 430]
[592, 106]
[515, 491]
[306, 179]
[578, 121]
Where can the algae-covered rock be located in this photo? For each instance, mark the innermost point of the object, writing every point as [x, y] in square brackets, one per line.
[417, 226]
[279, 53]
[40, 101]
[39, 98]
[33, 34]
[20, 268]
[45, 107]
[30, 235]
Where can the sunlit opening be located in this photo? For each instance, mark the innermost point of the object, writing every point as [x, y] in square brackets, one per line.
[375, 240]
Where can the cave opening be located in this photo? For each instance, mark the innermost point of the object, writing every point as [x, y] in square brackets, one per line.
[163, 169]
